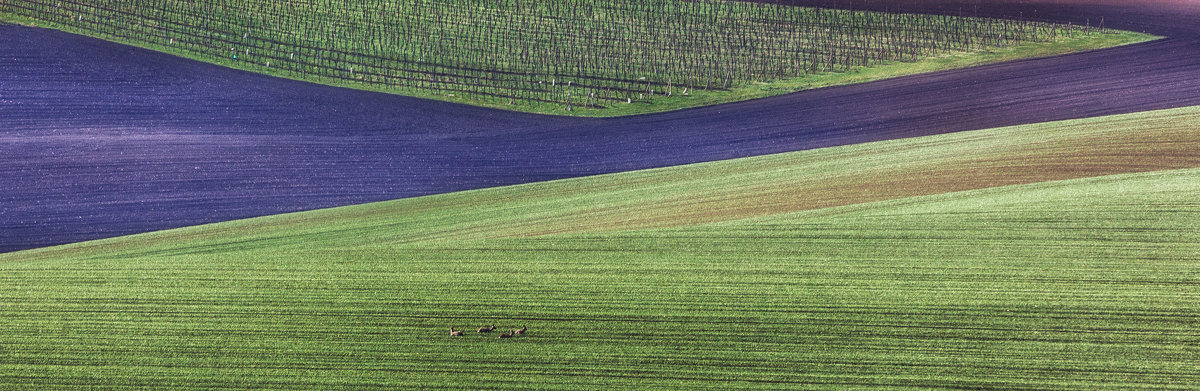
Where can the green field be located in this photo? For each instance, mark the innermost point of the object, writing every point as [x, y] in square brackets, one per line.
[1049, 256]
[570, 57]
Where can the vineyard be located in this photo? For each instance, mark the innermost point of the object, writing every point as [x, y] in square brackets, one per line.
[566, 53]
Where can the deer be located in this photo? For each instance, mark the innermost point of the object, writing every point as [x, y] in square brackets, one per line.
[486, 329]
[521, 331]
[455, 333]
[508, 334]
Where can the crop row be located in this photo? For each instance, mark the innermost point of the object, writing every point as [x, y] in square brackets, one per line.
[569, 52]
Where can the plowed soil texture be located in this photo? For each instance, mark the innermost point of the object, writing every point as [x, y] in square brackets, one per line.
[101, 140]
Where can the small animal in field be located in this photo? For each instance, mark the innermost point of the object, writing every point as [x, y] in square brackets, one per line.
[508, 334]
[455, 333]
[486, 329]
[521, 331]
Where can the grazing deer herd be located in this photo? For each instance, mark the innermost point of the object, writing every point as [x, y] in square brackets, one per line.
[491, 328]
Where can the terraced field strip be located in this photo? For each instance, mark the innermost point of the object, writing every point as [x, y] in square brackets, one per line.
[545, 55]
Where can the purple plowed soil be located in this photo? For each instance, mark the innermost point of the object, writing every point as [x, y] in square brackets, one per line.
[100, 140]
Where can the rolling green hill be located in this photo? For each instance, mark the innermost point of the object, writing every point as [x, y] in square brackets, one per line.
[1050, 256]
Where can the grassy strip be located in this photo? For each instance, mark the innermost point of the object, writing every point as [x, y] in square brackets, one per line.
[641, 103]
[757, 280]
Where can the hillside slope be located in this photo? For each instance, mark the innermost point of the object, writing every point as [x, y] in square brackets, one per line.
[175, 135]
[868, 266]
[1083, 284]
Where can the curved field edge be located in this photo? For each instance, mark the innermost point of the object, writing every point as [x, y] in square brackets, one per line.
[1082, 284]
[720, 191]
[697, 98]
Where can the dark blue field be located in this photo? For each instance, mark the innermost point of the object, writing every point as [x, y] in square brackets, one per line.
[100, 140]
